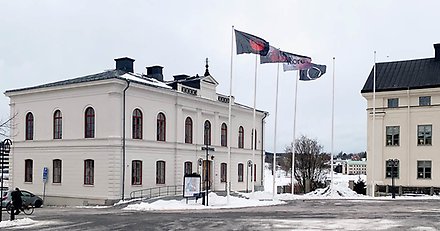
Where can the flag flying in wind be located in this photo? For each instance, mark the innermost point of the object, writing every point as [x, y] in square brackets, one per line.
[247, 43]
[274, 56]
[297, 62]
[312, 73]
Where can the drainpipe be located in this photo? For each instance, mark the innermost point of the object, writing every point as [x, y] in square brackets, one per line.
[262, 148]
[123, 138]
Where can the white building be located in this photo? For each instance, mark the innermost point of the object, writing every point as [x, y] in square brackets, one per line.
[356, 167]
[406, 126]
[76, 127]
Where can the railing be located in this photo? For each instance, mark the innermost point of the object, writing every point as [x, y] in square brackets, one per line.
[157, 192]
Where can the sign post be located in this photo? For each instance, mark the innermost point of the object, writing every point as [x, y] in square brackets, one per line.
[45, 176]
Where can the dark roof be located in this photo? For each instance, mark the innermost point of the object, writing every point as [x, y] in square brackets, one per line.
[402, 75]
[189, 81]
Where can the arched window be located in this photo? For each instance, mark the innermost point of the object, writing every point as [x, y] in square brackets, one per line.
[56, 176]
[136, 172]
[160, 172]
[188, 130]
[240, 172]
[29, 126]
[223, 172]
[89, 128]
[254, 139]
[224, 135]
[240, 137]
[188, 167]
[161, 127]
[28, 170]
[57, 125]
[137, 124]
[207, 133]
[89, 172]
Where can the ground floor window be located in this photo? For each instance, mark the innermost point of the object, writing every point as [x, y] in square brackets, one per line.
[392, 166]
[89, 168]
[188, 167]
[28, 170]
[136, 172]
[160, 172]
[223, 172]
[56, 171]
[424, 169]
[240, 172]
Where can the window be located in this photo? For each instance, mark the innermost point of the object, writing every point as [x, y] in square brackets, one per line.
[207, 133]
[424, 169]
[223, 173]
[240, 172]
[424, 100]
[240, 137]
[424, 134]
[29, 126]
[89, 123]
[188, 130]
[57, 125]
[137, 124]
[188, 167]
[392, 166]
[28, 170]
[224, 135]
[89, 168]
[392, 136]
[160, 172]
[161, 127]
[136, 172]
[254, 139]
[255, 172]
[393, 103]
[56, 178]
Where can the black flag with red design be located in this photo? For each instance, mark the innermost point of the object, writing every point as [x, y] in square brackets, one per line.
[247, 43]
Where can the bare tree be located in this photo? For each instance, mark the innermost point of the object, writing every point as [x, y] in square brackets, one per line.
[6, 126]
[311, 163]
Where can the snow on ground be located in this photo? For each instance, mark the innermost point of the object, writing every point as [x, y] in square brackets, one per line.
[18, 222]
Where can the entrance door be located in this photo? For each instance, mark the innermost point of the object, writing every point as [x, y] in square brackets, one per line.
[206, 167]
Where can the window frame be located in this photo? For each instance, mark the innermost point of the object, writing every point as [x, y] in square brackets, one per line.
[187, 167]
[393, 102]
[136, 172]
[57, 125]
[136, 124]
[161, 122]
[89, 123]
[28, 170]
[240, 137]
[29, 126]
[224, 135]
[422, 169]
[160, 172]
[423, 136]
[240, 172]
[207, 133]
[57, 166]
[89, 172]
[425, 101]
[223, 172]
[388, 170]
[390, 136]
[188, 130]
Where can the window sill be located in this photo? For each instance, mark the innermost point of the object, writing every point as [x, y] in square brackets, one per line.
[88, 185]
[136, 185]
[56, 184]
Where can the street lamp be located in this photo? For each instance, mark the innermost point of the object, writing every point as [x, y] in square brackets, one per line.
[5, 148]
[393, 163]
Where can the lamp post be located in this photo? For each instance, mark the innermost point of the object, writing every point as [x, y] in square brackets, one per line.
[207, 148]
[249, 165]
[393, 163]
[5, 148]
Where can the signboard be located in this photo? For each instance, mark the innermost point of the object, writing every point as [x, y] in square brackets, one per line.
[45, 174]
[191, 185]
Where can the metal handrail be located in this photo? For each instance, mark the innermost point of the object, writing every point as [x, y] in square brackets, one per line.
[148, 193]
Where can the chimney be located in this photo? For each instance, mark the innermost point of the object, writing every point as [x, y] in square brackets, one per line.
[180, 77]
[437, 52]
[124, 64]
[155, 72]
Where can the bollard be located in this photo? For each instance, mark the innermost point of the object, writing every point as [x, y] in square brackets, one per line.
[12, 213]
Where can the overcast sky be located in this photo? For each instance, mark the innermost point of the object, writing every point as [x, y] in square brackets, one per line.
[46, 41]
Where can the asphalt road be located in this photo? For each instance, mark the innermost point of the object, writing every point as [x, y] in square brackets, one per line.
[296, 215]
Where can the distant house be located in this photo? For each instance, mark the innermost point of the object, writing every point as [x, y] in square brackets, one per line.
[104, 135]
[406, 125]
[356, 167]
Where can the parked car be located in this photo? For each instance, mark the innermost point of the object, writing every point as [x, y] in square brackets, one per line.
[28, 199]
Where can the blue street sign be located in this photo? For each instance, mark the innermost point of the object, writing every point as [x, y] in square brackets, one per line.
[45, 174]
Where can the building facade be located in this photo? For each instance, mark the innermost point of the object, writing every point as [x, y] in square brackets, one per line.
[404, 134]
[105, 135]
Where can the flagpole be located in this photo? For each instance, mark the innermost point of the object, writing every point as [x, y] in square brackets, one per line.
[228, 176]
[374, 125]
[333, 127]
[294, 134]
[275, 134]
[254, 142]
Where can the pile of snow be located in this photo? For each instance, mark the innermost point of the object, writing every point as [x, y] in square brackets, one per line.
[17, 222]
[214, 202]
[335, 192]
